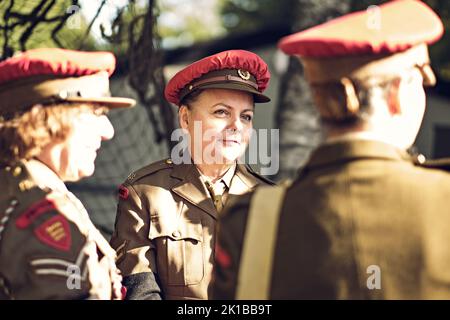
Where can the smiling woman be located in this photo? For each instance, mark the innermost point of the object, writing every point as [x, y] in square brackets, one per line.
[225, 119]
[73, 157]
[167, 214]
[63, 135]
[52, 122]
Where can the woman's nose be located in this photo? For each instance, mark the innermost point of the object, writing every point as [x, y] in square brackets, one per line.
[105, 128]
[236, 124]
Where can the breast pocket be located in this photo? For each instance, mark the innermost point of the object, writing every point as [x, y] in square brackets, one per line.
[180, 254]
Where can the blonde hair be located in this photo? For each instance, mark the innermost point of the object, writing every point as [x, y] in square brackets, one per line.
[23, 136]
[337, 109]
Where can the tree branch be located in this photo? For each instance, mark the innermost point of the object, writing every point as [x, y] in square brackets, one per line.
[88, 30]
[7, 51]
[36, 19]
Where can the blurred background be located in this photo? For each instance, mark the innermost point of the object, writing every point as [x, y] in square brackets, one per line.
[153, 39]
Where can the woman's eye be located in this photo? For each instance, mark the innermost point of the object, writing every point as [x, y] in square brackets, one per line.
[247, 117]
[220, 112]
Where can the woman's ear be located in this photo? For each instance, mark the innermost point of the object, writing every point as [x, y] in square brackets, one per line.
[183, 116]
[394, 97]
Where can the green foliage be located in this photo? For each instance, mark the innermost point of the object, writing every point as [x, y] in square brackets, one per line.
[130, 18]
[36, 23]
[184, 22]
[250, 15]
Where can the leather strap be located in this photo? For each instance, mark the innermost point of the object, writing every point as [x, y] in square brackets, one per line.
[255, 271]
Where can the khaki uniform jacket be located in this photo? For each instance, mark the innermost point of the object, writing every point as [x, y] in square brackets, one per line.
[49, 248]
[165, 230]
[358, 207]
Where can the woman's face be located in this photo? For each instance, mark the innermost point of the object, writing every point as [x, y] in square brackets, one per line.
[74, 157]
[219, 123]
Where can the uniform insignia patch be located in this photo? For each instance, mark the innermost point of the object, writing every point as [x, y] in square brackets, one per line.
[222, 257]
[55, 232]
[123, 192]
[36, 210]
[131, 176]
[123, 291]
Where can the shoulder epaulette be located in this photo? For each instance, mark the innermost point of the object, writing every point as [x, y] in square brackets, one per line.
[440, 164]
[149, 169]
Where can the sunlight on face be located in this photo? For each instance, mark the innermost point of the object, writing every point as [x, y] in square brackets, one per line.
[79, 149]
[413, 101]
[219, 123]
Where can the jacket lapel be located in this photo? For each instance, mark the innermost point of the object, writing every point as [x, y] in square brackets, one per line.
[192, 189]
[242, 181]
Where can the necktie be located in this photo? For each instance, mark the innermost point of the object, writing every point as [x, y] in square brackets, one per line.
[216, 191]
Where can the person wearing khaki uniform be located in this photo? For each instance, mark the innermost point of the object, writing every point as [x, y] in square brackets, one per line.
[52, 121]
[363, 219]
[166, 218]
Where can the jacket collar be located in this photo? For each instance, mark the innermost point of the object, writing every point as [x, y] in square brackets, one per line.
[44, 177]
[242, 182]
[347, 150]
[193, 189]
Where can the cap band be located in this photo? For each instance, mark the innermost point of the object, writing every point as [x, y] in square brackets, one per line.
[226, 78]
[319, 71]
[19, 95]
[221, 76]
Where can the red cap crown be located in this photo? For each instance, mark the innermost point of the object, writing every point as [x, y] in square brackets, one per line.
[390, 28]
[49, 75]
[231, 59]
[54, 61]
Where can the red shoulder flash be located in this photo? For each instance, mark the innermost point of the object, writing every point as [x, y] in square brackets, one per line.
[123, 192]
[123, 291]
[55, 232]
[33, 212]
[222, 257]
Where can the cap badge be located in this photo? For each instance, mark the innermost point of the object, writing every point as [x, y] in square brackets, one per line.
[244, 74]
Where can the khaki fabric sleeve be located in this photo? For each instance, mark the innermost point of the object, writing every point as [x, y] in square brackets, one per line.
[135, 251]
[56, 259]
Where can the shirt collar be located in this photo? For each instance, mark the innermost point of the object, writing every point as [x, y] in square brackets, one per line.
[226, 178]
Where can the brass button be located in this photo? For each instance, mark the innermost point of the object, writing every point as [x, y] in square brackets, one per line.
[25, 185]
[176, 234]
[421, 159]
[169, 161]
[17, 171]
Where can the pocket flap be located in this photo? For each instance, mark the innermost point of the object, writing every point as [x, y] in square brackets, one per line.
[181, 231]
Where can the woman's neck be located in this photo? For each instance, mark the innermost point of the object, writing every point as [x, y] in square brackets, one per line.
[214, 171]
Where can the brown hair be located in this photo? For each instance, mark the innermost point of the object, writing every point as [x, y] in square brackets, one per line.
[23, 136]
[191, 98]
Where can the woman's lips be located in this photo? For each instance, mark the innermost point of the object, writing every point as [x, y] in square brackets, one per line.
[231, 142]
